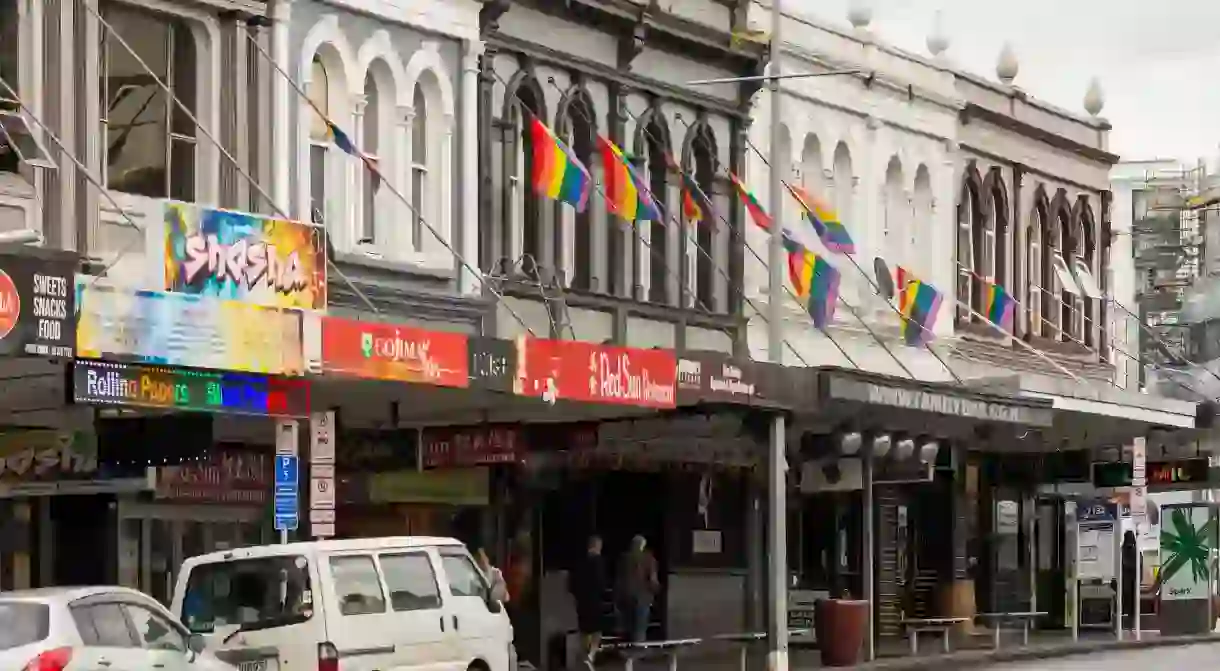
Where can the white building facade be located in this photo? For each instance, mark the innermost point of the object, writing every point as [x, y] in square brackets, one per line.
[957, 180]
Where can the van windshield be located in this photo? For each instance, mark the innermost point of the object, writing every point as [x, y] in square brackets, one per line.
[251, 593]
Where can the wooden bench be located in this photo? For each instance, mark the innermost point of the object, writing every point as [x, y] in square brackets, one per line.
[930, 625]
[997, 621]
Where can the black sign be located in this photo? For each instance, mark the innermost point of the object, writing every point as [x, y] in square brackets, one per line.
[493, 364]
[948, 402]
[37, 305]
[105, 383]
[1181, 472]
[714, 377]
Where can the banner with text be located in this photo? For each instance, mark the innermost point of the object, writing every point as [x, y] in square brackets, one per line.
[190, 331]
[244, 257]
[573, 370]
[379, 351]
[36, 305]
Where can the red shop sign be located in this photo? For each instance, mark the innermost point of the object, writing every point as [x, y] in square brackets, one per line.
[226, 476]
[582, 371]
[393, 352]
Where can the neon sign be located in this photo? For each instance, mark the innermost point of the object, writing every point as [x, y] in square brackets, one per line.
[105, 383]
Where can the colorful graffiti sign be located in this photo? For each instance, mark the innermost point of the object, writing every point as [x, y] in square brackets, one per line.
[244, 257]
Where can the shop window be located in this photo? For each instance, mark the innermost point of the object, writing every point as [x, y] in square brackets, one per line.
[411, 581]
[155, 632]
[150, 143]
[357, 585]
[464, 578]
[104, 625]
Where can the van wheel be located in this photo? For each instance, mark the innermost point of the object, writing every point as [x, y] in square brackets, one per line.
[478, 665]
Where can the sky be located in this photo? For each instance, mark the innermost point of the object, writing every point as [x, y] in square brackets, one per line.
[1158, 61]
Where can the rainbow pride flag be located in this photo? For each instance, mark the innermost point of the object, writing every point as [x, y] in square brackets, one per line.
[626, 194]
[757, 213]
[922, 307]
[1000, 306]
[817, 283]
[557, 173]
[825, 222]
[902, 278]
[694, 204]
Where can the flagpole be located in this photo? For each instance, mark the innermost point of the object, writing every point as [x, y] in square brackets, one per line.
[777, 489]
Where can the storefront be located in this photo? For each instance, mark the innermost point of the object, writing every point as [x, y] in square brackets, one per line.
[43, 449]
[186, 377]
[891, 501]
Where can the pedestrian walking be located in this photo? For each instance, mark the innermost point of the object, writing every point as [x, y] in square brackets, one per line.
[587, 584]
[636, 587]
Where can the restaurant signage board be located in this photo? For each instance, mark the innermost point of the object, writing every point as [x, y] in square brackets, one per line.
[379, 351]
[575, 370]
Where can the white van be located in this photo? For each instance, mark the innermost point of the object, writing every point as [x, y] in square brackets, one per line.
[371, 604]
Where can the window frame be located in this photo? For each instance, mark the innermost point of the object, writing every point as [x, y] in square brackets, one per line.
[427, 558]
[369, 184]
[202, 30]
[170, 624]
[444, 554]
[421, 172]
[87, 606]
[335, 583]
[319, 148]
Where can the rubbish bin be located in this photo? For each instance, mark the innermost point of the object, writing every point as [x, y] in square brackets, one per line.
[841, 625]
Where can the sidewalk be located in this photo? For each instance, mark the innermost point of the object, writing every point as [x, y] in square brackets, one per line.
[893, 655]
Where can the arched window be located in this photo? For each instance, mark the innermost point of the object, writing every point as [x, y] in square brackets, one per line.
[370, 180]
[523, 210]
[419, 166]
[318, 90]
[922, 215]
[150, 144]
[997, 224]
[1088, 253]
[1048, 283]
[1069, 309]
[969, 251]
[703, 167]
[1032, 281]
[652, 148]
[576, 125]
[897, 210]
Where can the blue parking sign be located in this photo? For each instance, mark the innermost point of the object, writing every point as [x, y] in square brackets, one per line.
[287, 504]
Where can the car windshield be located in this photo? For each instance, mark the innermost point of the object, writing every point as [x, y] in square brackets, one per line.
[251, 593]
[23, 623]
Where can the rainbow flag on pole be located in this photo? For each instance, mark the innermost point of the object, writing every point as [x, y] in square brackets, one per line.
[1000, 306]
[761, 218]
[921, 308]
[817, 283]
[626, 194]
[825, 222]
[557, 173]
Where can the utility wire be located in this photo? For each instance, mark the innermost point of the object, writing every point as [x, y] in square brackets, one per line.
[390, 186]
[669, 217]
[212, 138]
[717, 167]
[851, 259]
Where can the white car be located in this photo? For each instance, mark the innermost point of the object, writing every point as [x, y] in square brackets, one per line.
[95, 629]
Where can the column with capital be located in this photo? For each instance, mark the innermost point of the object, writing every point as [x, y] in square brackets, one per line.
[280, 12]
[469, 282]
[405, 236]
[352, 174]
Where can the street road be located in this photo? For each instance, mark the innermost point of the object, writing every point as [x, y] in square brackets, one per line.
[1149, 659]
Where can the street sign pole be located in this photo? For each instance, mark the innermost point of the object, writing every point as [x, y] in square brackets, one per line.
[287, 478]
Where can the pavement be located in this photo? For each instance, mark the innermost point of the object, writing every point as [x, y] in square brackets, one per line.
[1184, 657]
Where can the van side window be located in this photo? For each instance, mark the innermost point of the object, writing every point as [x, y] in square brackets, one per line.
[464, 578]
[357, 585]
[411, 581]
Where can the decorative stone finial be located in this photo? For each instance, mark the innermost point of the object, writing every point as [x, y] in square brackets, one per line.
[1007, 67]
[938, 41]
[1094, 98]
[860, 14]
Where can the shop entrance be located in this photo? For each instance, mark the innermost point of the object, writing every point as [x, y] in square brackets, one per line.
[155, 538]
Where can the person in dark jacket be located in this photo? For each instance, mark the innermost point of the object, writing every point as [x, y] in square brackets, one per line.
[1130, 579]
[587, 584]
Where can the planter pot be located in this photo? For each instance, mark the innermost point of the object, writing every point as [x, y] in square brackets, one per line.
[841, 625]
